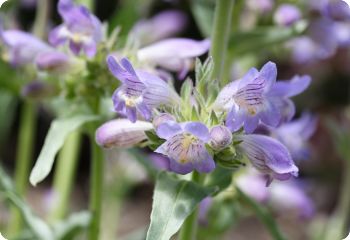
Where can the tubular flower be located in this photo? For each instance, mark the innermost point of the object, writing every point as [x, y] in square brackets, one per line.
[176, 54]
[185, 147]
[140, 91]
[122, 133]
[268, 156]
[80, 28]
[247, 100]
[21, 47]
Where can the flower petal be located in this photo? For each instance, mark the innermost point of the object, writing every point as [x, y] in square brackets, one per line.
[198, 129]
[169, 129]
[269, 73]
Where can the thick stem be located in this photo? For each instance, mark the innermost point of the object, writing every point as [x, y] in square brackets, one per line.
[41, 18]
[189, 227]
[96, 189]
[220, 37]
[64, 175]
[23, 160]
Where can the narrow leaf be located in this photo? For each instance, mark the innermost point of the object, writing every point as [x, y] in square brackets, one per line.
[58, 132]
[173, 201]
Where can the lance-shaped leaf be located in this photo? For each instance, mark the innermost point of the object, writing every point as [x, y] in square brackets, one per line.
[173, 201]
[58, 132]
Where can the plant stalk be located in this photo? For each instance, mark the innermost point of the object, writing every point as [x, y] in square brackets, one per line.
[220, 36]
[41, 18]
[96, 189]
[64, 175]
[23, 160]
[189, 227]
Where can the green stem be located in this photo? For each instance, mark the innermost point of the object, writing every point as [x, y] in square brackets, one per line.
[96, 189]
[337, 225]
[189, 227]
[23, 160]
[64, 175]
[220, 37]
[263, 215]
[41, 18]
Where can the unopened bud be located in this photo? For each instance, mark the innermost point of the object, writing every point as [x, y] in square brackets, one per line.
[220, 137]
[162, 118]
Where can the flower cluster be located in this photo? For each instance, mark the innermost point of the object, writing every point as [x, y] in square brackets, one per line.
[192, 132]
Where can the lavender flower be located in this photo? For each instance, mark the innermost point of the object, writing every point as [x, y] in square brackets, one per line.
[160, 161]
[140, 91]
[295, 134]
[21, 47]
[253, 184]
[57, 62]
[287, 14]
[176, 54]
[81, 29]
[262, 6]
[162, 118]
[164, 24]
[122, 133]
[268, 156]
[247, 100]
[185, 146]
[220, 137]
[204, 207]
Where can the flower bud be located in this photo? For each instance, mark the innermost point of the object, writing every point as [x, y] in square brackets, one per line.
[220, 137]
[163, 118]
[122, 133]
[37, 90]
[286, 15]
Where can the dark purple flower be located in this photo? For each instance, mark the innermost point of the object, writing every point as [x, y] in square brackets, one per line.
[283, 90]
[268, 156]
[247, 100]
[185, 146]
[163, 25]
[122, 133]
[295, 134]
[287, 14]
[160, 161]
[80, 28]
[21, 47]
[140, 91]
[176, 54]
[220, 137]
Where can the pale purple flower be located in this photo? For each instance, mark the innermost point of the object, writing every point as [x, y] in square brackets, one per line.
[176, 54]
[268, 156]
[162, 118]
[287, 14]
[203, 210]
[37, 90]
[185, 146]
[53, 61]
[80, 28]
[289, 197]
[262, 6]
[21, 47]
[163, 25]
[253, 184]
[140, 91]
[247, 100]
[337, 10]
[122, 133]
[295, 135]
[220, 137]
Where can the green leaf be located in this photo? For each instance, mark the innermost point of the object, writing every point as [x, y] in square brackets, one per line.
[173, 201]
[58, 132]
[38, 227]
[264, 216]
[70, 227]
[220, 178]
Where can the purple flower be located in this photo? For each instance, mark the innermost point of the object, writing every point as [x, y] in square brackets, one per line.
[262, 6]
[295, 134]
[122, 133]
[81, 29]
[185, 146]
[160, 161]
[204, 207]
[162, 118]
[337, 10]
[288, 196]
[287, 14]
[53, 61]
[164, 24]
[37, 90]
[247, 100]
[21, 47]
[220, 137]
[268, 156]
[253, 184]
[283, 90]
[140, 91]
[176, 54]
